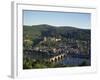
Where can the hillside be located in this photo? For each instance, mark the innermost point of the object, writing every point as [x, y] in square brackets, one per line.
[35, 31]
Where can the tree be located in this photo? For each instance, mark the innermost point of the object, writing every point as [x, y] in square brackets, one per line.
[27, 43]
[27, 63]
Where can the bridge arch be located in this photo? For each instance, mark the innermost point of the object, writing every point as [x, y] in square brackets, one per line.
[57, 58]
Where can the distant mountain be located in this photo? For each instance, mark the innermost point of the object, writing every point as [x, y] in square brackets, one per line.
[35, 31]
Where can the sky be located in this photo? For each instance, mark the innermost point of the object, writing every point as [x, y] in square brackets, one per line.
[79, 20]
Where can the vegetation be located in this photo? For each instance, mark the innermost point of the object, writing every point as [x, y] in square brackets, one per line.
[34, 32]
[31, 64]
[34, 39]
[84, 63]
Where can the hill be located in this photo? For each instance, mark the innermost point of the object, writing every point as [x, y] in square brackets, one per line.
[35, 31]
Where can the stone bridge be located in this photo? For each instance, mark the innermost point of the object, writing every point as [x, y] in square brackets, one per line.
[57, 58]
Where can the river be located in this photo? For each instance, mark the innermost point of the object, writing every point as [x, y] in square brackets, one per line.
[75, 61]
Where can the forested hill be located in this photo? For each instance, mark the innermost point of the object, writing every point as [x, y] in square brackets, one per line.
[35, 31]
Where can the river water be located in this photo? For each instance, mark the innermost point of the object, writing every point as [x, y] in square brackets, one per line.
[75, 61]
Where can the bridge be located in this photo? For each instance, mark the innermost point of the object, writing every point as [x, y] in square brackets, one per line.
[57, 58]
